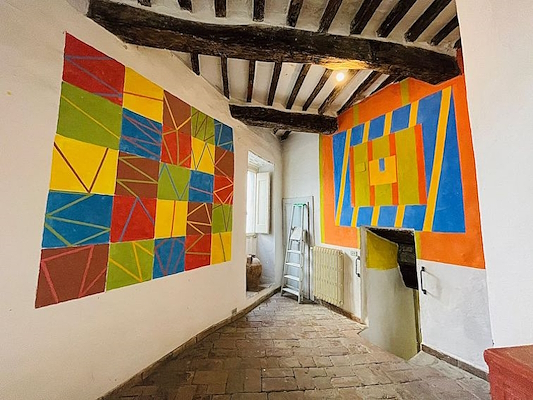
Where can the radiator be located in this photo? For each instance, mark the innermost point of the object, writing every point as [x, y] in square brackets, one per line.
[328, 275]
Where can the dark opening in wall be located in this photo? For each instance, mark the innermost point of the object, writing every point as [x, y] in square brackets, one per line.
[405, 239]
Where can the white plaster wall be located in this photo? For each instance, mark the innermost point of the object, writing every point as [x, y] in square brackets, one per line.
[497, 39]
[301, 174]
[81, 349]
[454, 314]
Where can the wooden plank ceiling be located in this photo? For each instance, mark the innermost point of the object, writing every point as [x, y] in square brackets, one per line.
[411, 38]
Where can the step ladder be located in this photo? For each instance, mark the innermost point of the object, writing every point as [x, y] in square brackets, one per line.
[293, 267]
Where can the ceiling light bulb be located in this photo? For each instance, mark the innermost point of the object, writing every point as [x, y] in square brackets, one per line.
[340, 77]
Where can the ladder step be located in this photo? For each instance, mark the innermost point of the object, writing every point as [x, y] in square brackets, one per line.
[292, 291]
[293, 264]
[294, 251]
[292, 277]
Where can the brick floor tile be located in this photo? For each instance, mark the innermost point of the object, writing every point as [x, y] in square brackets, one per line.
[210, 377]
[293, 395]
[252, 380]
[276, 372]
[249, 396]
[278, 384]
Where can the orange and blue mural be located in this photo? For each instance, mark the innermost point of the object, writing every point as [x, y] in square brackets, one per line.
[404, 159]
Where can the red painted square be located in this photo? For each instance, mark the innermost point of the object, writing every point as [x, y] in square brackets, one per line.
[223, 190]
[71, 273]
[133, 218]
[92, 70]
[176, 148]
[197, 251]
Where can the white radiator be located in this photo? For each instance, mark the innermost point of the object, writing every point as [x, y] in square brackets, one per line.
[328, 275]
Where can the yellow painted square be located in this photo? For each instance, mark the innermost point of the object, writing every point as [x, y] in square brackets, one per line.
[83, 167]
[142, 96]
[220, 247]
[170, 218]
[203, 156]
[387, 176]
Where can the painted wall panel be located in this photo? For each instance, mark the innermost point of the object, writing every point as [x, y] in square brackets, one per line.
[416, 157]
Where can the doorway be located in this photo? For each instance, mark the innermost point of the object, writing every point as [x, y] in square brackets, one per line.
[260, 240]
[390, 290]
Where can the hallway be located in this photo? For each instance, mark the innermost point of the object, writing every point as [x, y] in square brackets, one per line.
[282, 350]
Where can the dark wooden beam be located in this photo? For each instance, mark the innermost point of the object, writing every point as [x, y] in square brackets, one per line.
[426, 19]
[147, 3]
[274, 83]
[259, 10]
[364, 14]
[457, 44]
[195, 63]
[323, 79]
[297, 85]
[185, 5]
[220, 8]
[360, 91]
[445, 31]
[146, 28]
[284, 136]
[224, 71]
[251, 77]
[272, 118]
[394, 17]
[390, 79]
[350, 75]
[329, 14]
[294, 12]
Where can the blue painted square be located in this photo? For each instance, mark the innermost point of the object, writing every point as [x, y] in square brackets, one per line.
[381, 163]
[377, 128]
[140, 136]
[75, 219]
[223, 136]
[357, 135]
[413, 217]
[387, 216]
[339, 142]
[400, 118]
[428, 117]
[169, 256]
[364, 216]
[201, 187]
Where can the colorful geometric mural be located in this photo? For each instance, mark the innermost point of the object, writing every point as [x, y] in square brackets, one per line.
[404, 159]
[141, 184]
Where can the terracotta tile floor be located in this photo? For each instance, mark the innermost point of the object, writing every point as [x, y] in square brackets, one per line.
[283, 350]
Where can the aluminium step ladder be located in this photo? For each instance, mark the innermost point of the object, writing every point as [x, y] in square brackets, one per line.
[293, 267]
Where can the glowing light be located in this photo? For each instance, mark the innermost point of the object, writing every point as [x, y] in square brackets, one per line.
[340, 77]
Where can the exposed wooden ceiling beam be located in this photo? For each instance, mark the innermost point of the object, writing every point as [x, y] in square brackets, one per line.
[337, 91]
[329, 14]
[185, 5]
[274, 83]
[445, 31]
[360, 91]
[394, 17]
[146, 28]
[284, 136]
[147, 3]
[220, 8]
[297, 85]
[259, 10]
[364, 14]
[323, 79]
[390, 79]
[224, 71]
[292, 121]
[195, 63]
[251, 77]
[426, 19]
[457, 44]
[294, 12]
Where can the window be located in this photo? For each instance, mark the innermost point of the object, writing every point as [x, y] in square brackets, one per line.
[258, 202]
